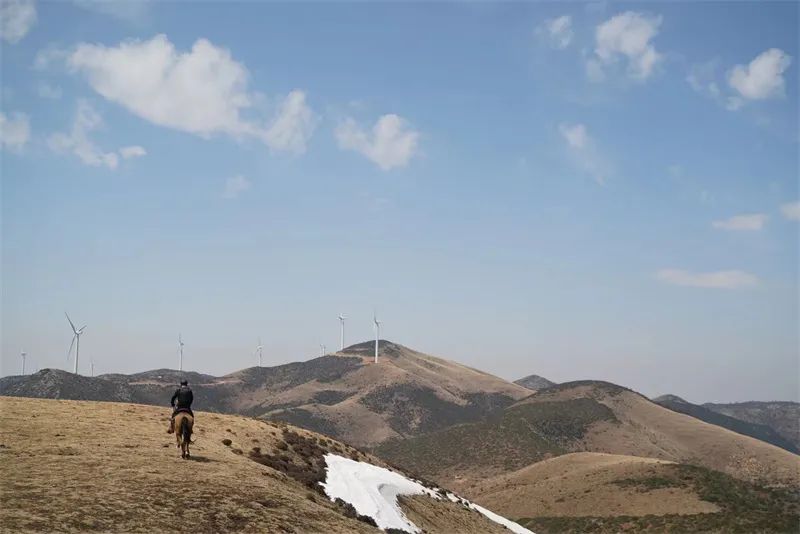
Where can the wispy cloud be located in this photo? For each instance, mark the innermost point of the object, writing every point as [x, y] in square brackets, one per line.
[51, 92]
[17, 17]
[557, 31]
[126, 10]
[79, 142]
[791, 211]
[753, 221]
[733, 279]
[15, 131]
[584, 151]
[235, 185]
[391, 143]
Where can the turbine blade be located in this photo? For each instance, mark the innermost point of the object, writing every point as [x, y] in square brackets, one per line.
[69, 352]
[70, 322]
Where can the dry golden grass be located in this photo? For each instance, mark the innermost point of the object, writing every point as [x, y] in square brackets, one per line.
[583, 484]
[72, 465]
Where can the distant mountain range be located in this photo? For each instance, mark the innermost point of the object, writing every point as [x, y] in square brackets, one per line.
[718, 417]
[782, 416]
[345, 395]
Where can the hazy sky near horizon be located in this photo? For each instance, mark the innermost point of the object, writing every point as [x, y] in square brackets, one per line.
[600, 190]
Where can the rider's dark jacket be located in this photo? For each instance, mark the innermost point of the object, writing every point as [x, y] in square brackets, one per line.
[184, 397]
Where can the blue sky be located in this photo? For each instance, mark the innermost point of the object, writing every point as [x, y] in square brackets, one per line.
[602, 191]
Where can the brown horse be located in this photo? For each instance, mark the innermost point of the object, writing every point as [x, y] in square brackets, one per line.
[183, 432]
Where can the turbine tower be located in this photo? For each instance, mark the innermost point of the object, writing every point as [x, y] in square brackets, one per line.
[259, 351]
[76, 340]
[23, 354]
[322, 349]
[180, 353]
[91, 363]
[377, 334]
[341, 333]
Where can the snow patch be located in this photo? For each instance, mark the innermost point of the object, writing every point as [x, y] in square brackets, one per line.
[373, 492]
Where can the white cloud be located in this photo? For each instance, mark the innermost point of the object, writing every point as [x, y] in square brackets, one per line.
[791, 211]
[717, 280]
[763, 77]
[15, 131]
[45, 90]
[627, 35]
[293, 126]
[557, 31]
[17, 17]
[392, 142]
[584, 152]
[203, 91]
[135, 151]
[78, 142]
[235, 185]
[753, 221]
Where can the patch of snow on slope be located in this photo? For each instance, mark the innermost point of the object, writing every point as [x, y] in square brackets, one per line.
[373, 492]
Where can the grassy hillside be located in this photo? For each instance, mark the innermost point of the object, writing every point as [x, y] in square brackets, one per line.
[111, 467]
[586, 416]
[742, 507]
[523, 434]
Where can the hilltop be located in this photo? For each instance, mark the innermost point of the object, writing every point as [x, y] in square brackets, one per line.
[345, 395]
[89, 466]
[752, 429]
[534, 382]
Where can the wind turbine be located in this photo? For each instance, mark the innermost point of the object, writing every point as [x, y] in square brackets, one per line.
[322, 349]
[91, 363]
[341, 334]
[377, 334]
[259, 351]
[76, 340]
[23, 354]
[180, 352]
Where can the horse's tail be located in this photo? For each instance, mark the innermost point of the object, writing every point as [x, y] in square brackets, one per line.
[186, 430]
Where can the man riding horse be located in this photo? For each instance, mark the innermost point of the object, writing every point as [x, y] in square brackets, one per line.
[184, 397]
[182, 417]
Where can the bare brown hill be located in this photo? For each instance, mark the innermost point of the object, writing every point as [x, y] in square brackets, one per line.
[587, 416]
[110, 467]
[345, 395]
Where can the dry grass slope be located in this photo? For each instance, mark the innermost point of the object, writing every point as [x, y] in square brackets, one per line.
[111, 467]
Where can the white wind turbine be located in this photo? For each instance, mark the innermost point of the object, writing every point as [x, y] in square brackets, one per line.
[342, 319]
[76, 340]
[23, 354]
[259, 351]
[322, 349]
[180, 352]
[377, 334]
[91, 363]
